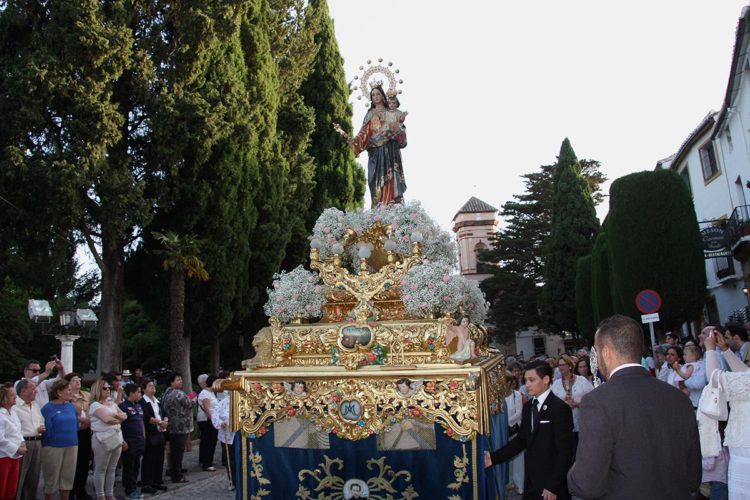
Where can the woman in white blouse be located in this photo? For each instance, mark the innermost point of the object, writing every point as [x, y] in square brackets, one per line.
[736, 387]
[571, 388]
[12, 445]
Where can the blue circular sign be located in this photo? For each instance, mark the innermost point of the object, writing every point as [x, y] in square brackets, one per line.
[648, 301]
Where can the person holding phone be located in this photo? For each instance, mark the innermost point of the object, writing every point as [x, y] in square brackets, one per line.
[736, 386]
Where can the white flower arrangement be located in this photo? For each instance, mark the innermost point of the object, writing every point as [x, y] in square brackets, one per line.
[472, 301]
[296, 294]
[430, 288]
[407, 220]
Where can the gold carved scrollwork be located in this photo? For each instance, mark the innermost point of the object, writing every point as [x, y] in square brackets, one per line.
[460, 472]
[404, 342]
[330, 485]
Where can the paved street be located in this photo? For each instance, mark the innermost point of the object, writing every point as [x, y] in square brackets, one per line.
[200, 486]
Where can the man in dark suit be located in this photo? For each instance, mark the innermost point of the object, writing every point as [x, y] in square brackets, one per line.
[638, 436]
[546, 434]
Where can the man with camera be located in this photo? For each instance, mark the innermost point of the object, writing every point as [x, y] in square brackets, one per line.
[41, 379]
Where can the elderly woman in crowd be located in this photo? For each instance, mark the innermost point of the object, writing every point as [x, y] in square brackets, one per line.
[12, 446]
[59, 441]
[220, 421]
[80, 400]
[736, 387]
[206, 402]
[106, 438]
[571, 389]
[156, 423]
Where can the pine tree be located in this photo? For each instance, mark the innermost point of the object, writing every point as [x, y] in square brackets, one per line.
[574, 226]
[74, 77]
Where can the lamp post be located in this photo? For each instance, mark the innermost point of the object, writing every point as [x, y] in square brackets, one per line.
[72, 322]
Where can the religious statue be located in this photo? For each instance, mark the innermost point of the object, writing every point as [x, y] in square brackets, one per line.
[383, 135]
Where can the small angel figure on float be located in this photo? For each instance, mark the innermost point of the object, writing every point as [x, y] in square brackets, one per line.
[465, 346]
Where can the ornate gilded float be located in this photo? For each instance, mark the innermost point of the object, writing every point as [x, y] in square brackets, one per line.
[370, 367]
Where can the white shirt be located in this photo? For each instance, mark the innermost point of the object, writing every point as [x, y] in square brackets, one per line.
[219, 415]
[514, 401]
[10, 434]
[155, 406]
[626, 365]
[580, 387]
[541, 398]
[203, 396]
[30, 417]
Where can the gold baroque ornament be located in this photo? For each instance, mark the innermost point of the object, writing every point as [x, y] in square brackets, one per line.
[384, 485]
[257, 473]
[354, 345]
[460, 472]
[368, 401]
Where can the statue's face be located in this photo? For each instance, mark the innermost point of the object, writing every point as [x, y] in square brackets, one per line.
[376, 96]
[464, 321]
[392, 103]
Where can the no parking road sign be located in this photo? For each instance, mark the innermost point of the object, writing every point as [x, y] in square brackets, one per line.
[648, 301]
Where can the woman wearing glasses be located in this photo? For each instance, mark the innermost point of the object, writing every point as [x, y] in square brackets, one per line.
[106, 438]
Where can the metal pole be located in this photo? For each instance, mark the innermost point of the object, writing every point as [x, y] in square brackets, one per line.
[653, 347]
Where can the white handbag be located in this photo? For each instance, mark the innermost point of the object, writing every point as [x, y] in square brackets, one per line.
[713, 402]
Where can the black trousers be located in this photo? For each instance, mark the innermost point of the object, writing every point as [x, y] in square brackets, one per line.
[207, 446]
[152, 468]
[177, 450]
[131, 465]
[83, 462]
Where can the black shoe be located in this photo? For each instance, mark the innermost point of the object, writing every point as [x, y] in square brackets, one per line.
[183, 471]
[162, 487]
[148, 489]
[82, 496]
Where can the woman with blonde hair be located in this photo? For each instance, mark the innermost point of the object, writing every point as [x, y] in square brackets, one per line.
[571, 388]
[106, 438]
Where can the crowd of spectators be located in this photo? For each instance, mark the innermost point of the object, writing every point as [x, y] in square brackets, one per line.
[54, 429]
[686, 364]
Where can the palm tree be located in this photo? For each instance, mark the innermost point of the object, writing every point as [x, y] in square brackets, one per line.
[182, 260]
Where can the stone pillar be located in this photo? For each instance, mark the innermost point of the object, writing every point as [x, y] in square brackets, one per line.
[66, 350]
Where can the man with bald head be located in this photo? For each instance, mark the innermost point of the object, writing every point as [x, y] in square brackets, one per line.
[638, 435]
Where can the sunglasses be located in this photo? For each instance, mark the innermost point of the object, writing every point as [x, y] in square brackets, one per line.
[105, 388]
[34, 370]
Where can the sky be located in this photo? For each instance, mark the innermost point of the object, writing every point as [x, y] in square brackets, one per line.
[493, 87]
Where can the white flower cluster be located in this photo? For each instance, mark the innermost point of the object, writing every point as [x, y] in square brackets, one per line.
[296, 294]
[430, 288]
[408, 221]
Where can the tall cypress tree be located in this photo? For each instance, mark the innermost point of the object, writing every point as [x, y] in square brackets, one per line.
[583, 295]
[654, 242]
[574, 226]
[339, 180]
[601, 287]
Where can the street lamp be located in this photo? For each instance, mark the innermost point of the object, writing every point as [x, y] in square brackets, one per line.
[71, 321]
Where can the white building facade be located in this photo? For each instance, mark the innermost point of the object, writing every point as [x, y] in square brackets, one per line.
[714, 161]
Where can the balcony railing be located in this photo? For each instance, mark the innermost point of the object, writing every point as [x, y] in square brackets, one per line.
[738, 232]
